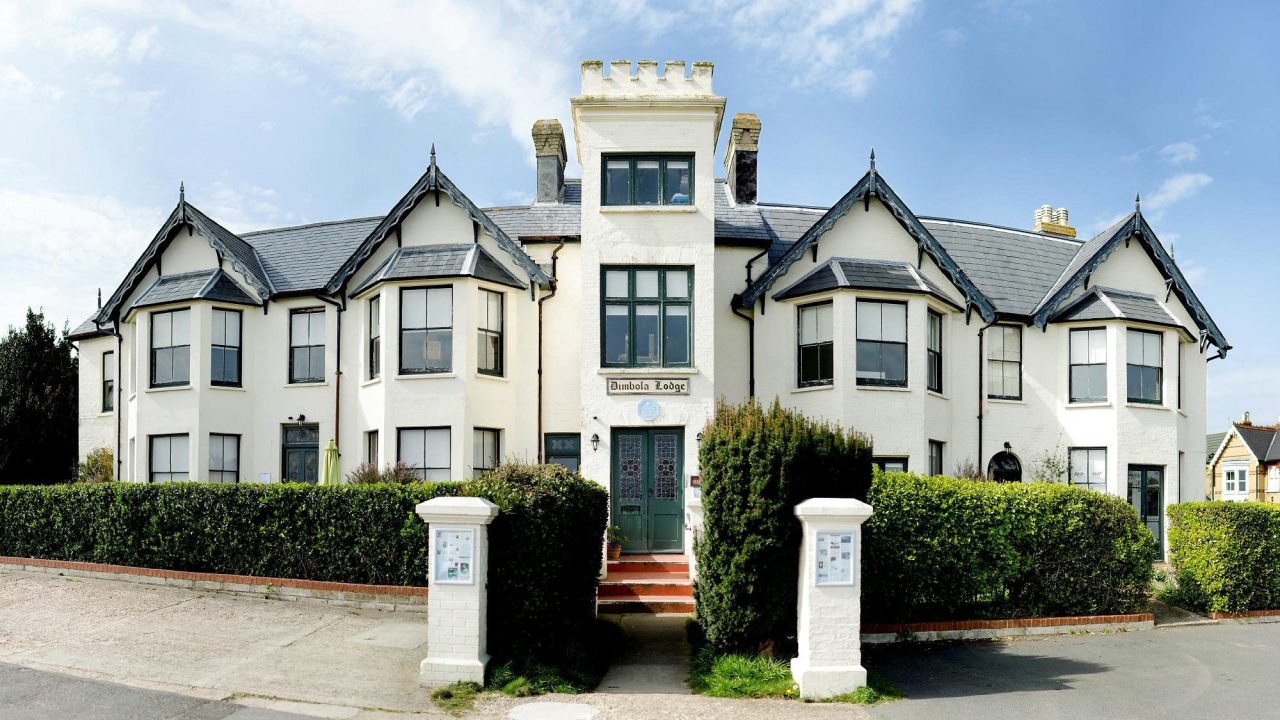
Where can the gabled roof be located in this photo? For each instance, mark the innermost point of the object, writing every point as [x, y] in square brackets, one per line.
[214, 285]
[1257, 439]
[90, 329]
[1103, 303]
[863, 274]
[440, 261]
[1096, 250]
[434, 182]
[229, 247]
[872, 186]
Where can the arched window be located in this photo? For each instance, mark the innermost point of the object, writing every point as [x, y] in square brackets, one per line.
[1005, 467]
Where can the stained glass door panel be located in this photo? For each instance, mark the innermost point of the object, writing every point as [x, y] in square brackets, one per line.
[647, 489]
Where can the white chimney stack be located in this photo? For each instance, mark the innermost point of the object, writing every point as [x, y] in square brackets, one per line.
[1053, 222]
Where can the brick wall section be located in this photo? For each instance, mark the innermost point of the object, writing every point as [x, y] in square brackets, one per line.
[949, 625]
[397, 595]
[1217, 615]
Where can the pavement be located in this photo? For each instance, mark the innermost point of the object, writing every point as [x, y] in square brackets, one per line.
[92, 648]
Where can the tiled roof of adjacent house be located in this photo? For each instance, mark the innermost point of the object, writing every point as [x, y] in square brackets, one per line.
[440, 261]
[865, 274]
[213, 285]
[1212, 442]
[1258, 438]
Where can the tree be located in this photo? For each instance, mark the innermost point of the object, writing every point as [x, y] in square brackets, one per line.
[38, 402]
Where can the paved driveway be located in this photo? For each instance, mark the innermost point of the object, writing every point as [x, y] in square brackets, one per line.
[1214, 671]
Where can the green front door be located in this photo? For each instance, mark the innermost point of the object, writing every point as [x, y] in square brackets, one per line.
[1146, 494]
[648, 497]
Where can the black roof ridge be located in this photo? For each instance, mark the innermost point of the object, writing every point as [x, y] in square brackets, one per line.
[978, 223]
[306, 226]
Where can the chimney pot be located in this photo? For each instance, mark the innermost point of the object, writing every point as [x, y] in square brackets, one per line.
[740, 157]
[548, 148]
[1053, 222]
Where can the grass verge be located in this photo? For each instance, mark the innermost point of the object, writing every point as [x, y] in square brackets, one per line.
[457, 698]
[732, 675]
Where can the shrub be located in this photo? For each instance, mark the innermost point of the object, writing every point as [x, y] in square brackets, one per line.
[98, 466]
[756, 465]
[355, 533]
[545, 553]
[1226, 555]
[397, 474]
[940, 548]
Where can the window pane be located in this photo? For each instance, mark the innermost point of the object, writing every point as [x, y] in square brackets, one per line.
[869, 321]
[809, 324]
[298, 329]
[676, 335]
[178, 454]
[233, 328]
[492, 310]
[677, 182]
[1079, 463]
[809, 369]
[615, 284]
[868, 353]
[413, 308]
[217, 365]
[677, 284]
[181, 327]
[375, 317]
[617, 189]
[315, 363]
[1012, 343]
[647, 283]
[436, 443]
[1011, 380]
[218, 330]
[824, 323]
[894, 322]
[160, 454]
[646, 333]
[413, 448]
[1098, 466]
[647, 182]
[826, 362]
[616, 328]
[182, 364]
[109, 365]
[995, 378]
[439, 350]
[1097, 346]
[995, 343]
[935, 331]
[1079, 347]
[894, 363]
[1153, 349]
[161, 329]
[215, 452]
[488, 351]
[440, 307]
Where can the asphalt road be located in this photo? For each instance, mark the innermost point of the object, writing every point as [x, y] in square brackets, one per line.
[27, 694]
[1217, 671]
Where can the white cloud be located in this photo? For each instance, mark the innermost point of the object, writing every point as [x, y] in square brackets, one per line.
[97, 43]
[830, 48]
[1180, 152]
[59, 249]
[1175, 190]
[13, 80]
[1206, 119]
[141, 44]
[952, 36]
[241, 208]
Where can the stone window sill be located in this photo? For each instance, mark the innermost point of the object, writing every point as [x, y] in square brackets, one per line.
[1006, 401]
[814, 388]
[1089, 404]
[371, 381]
[884, 388]
[229, 388]
[175, 388]
[494, 378]
[940, 396]
[427, 376]
[1147, 406]
[307, 385]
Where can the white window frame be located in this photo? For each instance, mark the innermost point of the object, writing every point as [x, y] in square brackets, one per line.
[1273, 479]
[1238, 472]
[1081, 462]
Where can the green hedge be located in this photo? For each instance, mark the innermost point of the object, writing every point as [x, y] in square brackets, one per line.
[1226, 555]
[756, 465]
[939, 548]
[359, 534]
[545, 552]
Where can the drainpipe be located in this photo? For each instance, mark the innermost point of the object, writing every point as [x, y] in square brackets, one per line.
[982, 388]
[544, 298]
[337, 373]
[751, 328]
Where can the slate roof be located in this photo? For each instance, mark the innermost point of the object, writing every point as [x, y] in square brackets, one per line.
[1103, 303]
[302, 259]
[859, 273]
[214, 285]
[1259, 439]
[544, 220]
[1212, 442]
[89, 329]
[440, 261]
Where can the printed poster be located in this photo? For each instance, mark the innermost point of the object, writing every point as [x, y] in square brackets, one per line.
[834, 557]
[455, 550]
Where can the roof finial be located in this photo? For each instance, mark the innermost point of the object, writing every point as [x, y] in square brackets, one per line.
[873, 159]
[99, 298]
[182, 191]
[1137, 203]
[433, 153]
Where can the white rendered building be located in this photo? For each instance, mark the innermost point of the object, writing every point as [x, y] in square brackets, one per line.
[598, 326]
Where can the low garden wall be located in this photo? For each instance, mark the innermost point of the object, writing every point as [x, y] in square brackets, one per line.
[1226, 556]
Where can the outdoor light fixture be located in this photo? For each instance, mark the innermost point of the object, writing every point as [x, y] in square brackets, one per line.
[699, 438]
[595, 441]
[1007, 446]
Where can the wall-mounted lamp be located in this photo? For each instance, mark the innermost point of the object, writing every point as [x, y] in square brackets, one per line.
[300, 418]
[1007, 446]
[595, 442]
[699, 438]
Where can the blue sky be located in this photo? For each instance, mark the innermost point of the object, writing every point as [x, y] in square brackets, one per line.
[292, 111]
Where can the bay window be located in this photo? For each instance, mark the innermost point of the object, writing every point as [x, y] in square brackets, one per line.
[375, 337]
[170, 348]
[1145, 352]
[489, 333]
[426, 451]
[168, 458]
[816, 359]
[224, 458]
[935, 352]
[882, 343]
[224, 348]
[426, 330]
[1088, 365]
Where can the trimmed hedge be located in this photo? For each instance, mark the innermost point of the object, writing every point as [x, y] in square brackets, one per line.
[1226, 555]
[756, 465]
[939, 548]
[357, 533]
[546, 548]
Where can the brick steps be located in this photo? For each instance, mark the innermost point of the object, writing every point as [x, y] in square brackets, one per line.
[647, 585]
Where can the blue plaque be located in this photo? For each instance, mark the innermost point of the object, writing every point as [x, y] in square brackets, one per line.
[648, 409]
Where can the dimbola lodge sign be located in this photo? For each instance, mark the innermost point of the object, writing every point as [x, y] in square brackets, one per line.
[648, 386]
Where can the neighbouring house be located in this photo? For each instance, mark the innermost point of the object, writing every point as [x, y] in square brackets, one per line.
[598, 325]
[1245, 463]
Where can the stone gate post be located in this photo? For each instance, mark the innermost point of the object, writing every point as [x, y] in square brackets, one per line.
[829, 606]
[458, 561]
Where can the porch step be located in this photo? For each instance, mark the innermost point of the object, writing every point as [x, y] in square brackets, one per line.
[650, 563]
[645, 584]
[647, 605]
